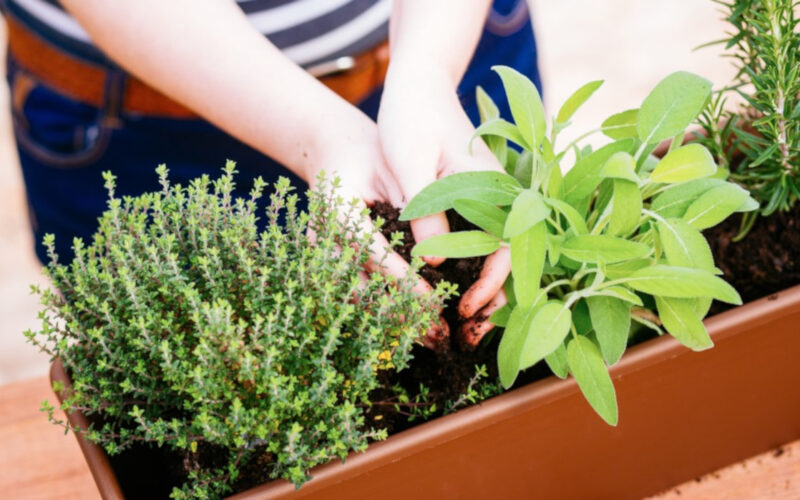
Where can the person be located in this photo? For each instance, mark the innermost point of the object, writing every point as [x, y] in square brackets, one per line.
[284, 87]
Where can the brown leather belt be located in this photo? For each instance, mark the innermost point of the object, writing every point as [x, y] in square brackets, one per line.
[86, 82]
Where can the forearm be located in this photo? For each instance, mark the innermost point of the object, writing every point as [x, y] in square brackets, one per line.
[207, 56]
[435, 37]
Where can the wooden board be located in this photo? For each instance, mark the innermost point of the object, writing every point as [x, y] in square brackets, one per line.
[37, 461]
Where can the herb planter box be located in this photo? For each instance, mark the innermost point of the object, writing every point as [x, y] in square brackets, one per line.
[682, 414]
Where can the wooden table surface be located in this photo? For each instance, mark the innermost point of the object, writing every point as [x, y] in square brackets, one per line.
[37, 461]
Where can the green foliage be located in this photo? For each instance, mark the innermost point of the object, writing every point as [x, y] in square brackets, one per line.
[765, 44]
[181, 325]
[590, 249]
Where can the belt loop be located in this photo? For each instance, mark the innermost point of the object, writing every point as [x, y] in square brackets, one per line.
[113, 93]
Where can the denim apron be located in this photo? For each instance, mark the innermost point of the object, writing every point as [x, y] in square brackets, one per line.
[64, 145]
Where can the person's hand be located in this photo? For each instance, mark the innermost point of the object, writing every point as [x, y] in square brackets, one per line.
[425, 134]
[364, 174]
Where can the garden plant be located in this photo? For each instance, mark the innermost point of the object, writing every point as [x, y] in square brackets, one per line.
[614, 241]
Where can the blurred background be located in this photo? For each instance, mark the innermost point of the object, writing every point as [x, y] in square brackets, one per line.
[631, 44]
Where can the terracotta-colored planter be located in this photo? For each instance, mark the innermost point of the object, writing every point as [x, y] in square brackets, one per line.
[682, 414]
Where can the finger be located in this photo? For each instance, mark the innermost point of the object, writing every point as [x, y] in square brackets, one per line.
[437, 338]
[493, 276]
[425, 227]
[474, 329]
[384, 260]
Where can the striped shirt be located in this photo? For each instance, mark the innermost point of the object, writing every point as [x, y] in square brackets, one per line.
[309, 32]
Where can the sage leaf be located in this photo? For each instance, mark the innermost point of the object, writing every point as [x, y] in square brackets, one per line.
[684, 245]
[488, 110]
[674, 201]
[546, 332]
[671, 106]
[528, 210]
[749, 205]
[574, 219]
[586, 365]
[488, 186]
[621, 125]
[681, 320]
[510, 348]
[487, 217]
[576, 100]
[626, 208]
[457, 245]
[620, 166]
[497, 127]
[681, 282]
[624, 269]
[686, 163]
[621, 293]
[554, 242]
[584, 177]
[500, 316]
[557, 361]
[526, 105]
[609, 249]
[527, 262]
[611, 319]
[715, 205]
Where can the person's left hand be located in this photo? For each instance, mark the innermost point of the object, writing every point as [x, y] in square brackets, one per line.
[425, 135]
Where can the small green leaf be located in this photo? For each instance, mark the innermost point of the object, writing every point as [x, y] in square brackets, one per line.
[557, 361]
[715, 205]
[500, 316]
[510, 348]
[686, 163]
[574, 219]
[457, 245]
[584, 177]
[609, 249]
[487, 109]
[487, 217]
[528, 210]
[611, 319]
[622, 293]
[526, 105]
[491, 187]
[546, 332]
[576, 100]
[671, 106]
[527, 261]
[586, 365]
[620, 166]
[497, 127]
[626, 208]
[682, 321]
[554, 242]
[621, 125]
[674, 201]
[681, 282]
[684, 245]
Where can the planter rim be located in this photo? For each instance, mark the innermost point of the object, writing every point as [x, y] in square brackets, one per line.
[447, 428]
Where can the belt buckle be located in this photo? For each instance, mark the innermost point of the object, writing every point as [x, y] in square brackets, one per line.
[332, 67]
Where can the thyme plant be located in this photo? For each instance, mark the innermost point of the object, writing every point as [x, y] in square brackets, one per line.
[765, 44]
[182, 326]
[615, 240]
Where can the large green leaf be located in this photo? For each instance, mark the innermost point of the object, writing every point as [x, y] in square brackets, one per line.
[681, 282]
[674, 201]
[611, 319]
[684, 245]
[671, 106]
[528, 252]
[510, 348]
[491, 187]
[686, 163]
[621, 125]
[715, 205]
[608, 249]
[576, 100]
[682, 321]
[546, 332]
[457, 245]
[485, 216]
[584, 177]
[586, 365]
[626, 208]
[528, 210]
[526, 105]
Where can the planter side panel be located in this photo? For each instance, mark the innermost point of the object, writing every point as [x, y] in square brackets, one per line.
[682, 414]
